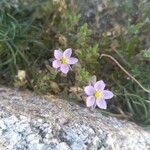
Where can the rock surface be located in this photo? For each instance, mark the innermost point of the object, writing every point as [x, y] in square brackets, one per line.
[30, 122]
[115, 15]
[105, 14]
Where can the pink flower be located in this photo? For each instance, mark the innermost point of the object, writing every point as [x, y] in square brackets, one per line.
[63, 60]
[96, 95]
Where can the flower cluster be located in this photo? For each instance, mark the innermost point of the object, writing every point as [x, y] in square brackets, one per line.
[96, 95]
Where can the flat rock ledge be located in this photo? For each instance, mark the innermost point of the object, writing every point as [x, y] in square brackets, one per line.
[31, 122]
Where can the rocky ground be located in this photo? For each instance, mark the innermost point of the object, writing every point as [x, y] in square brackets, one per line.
[31, 122]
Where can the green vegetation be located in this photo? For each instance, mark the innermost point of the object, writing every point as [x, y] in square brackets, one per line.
[29, 33]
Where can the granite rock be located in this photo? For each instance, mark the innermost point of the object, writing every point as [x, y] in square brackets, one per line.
[31, 122]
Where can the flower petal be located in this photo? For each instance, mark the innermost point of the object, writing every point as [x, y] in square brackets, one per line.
[101, 104]
[90, 101]
[58, 54]
[89, 90]
[100, 85]
[56, 64]
[72, 60]
[64, 68]
[67, 53]
[107, 94]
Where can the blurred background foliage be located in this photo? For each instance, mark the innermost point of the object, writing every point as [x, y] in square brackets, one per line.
[30, 31]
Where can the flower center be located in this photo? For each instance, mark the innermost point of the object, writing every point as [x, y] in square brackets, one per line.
[97, 94]
[63, 60]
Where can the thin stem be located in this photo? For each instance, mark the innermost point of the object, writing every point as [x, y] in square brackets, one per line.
[124, 70]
